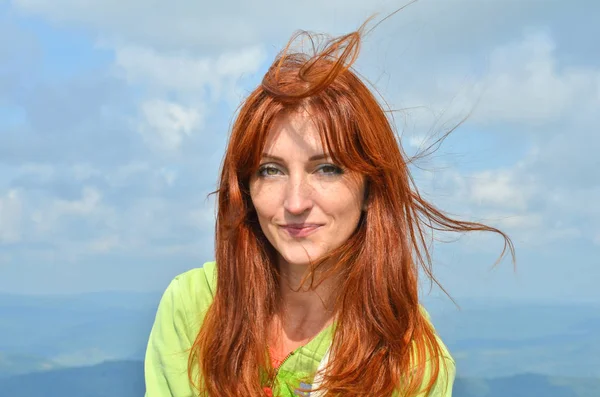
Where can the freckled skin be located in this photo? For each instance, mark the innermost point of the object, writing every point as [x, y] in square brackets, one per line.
[297, 189]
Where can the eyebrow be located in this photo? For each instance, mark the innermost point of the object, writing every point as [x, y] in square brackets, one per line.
[316, 157]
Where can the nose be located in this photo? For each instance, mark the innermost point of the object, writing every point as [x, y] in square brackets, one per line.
[298, 197]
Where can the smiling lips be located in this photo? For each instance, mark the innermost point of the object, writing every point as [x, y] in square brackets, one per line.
[300, 229]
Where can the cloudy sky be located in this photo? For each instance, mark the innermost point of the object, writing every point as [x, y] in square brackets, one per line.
[114, 116]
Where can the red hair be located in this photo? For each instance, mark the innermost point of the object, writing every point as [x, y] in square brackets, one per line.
[381, 336]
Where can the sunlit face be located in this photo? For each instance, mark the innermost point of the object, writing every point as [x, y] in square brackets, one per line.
[306, 205]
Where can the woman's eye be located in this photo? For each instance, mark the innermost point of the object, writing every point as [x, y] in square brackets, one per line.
[268, 170]
[330, 169]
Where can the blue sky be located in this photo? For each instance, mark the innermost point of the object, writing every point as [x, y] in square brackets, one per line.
[114, 116]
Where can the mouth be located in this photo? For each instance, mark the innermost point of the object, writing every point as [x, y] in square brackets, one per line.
[301, 230]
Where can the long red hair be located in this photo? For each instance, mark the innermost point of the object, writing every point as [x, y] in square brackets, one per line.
[381, 335]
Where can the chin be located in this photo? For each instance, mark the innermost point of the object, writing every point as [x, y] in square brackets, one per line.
[300, 258]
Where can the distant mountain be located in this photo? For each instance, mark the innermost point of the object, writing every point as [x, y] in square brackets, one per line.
[77, 330]
[527, 385]
[102, 299]
[487, 339]
[109, 379]
[500, 339]
[126, 379]
[16, 364]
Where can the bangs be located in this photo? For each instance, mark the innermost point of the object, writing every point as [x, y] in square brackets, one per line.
[339, 130]
[257, 126]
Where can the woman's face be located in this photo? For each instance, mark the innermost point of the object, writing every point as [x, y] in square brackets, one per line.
[306, 205]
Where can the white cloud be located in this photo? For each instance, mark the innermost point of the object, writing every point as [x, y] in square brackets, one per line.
[525, 84]
[82, 172]
[522, 83]
[512, 199]
[551, 106]
[499, 188]
[193, 85]
[203, 217]
[48, 218]
[503, 191]
[89, 202]
[186, 23]
[123, 174]
[42, 171]
[98, 222]
[185, 73]
[530, 221]
[443, 25]
[104, 244]
[169, 175]
[417, 141]
[11, 209]
[166, 124]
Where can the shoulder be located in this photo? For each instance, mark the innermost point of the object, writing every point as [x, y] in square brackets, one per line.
[200, 280]
[176, 325]
[444, 349]
[444, 362]
[191, 293]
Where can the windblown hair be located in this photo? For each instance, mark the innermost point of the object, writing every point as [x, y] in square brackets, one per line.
[381, 339]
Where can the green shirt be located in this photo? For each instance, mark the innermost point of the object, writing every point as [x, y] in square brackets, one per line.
[178, 320]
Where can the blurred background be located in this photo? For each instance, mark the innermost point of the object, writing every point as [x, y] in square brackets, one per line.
[113, 121]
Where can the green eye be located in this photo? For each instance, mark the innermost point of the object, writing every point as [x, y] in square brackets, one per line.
[330, 169]
[268, 170]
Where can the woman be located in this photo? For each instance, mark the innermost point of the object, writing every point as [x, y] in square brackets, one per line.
[320, 235]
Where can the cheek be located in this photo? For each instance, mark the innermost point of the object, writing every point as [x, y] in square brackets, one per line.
[351, 216]
[264, 200]
[345, 204]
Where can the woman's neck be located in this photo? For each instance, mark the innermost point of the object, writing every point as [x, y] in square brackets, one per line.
[304, 312]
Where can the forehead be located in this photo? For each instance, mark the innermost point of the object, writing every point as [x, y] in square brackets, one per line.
[294, 132]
